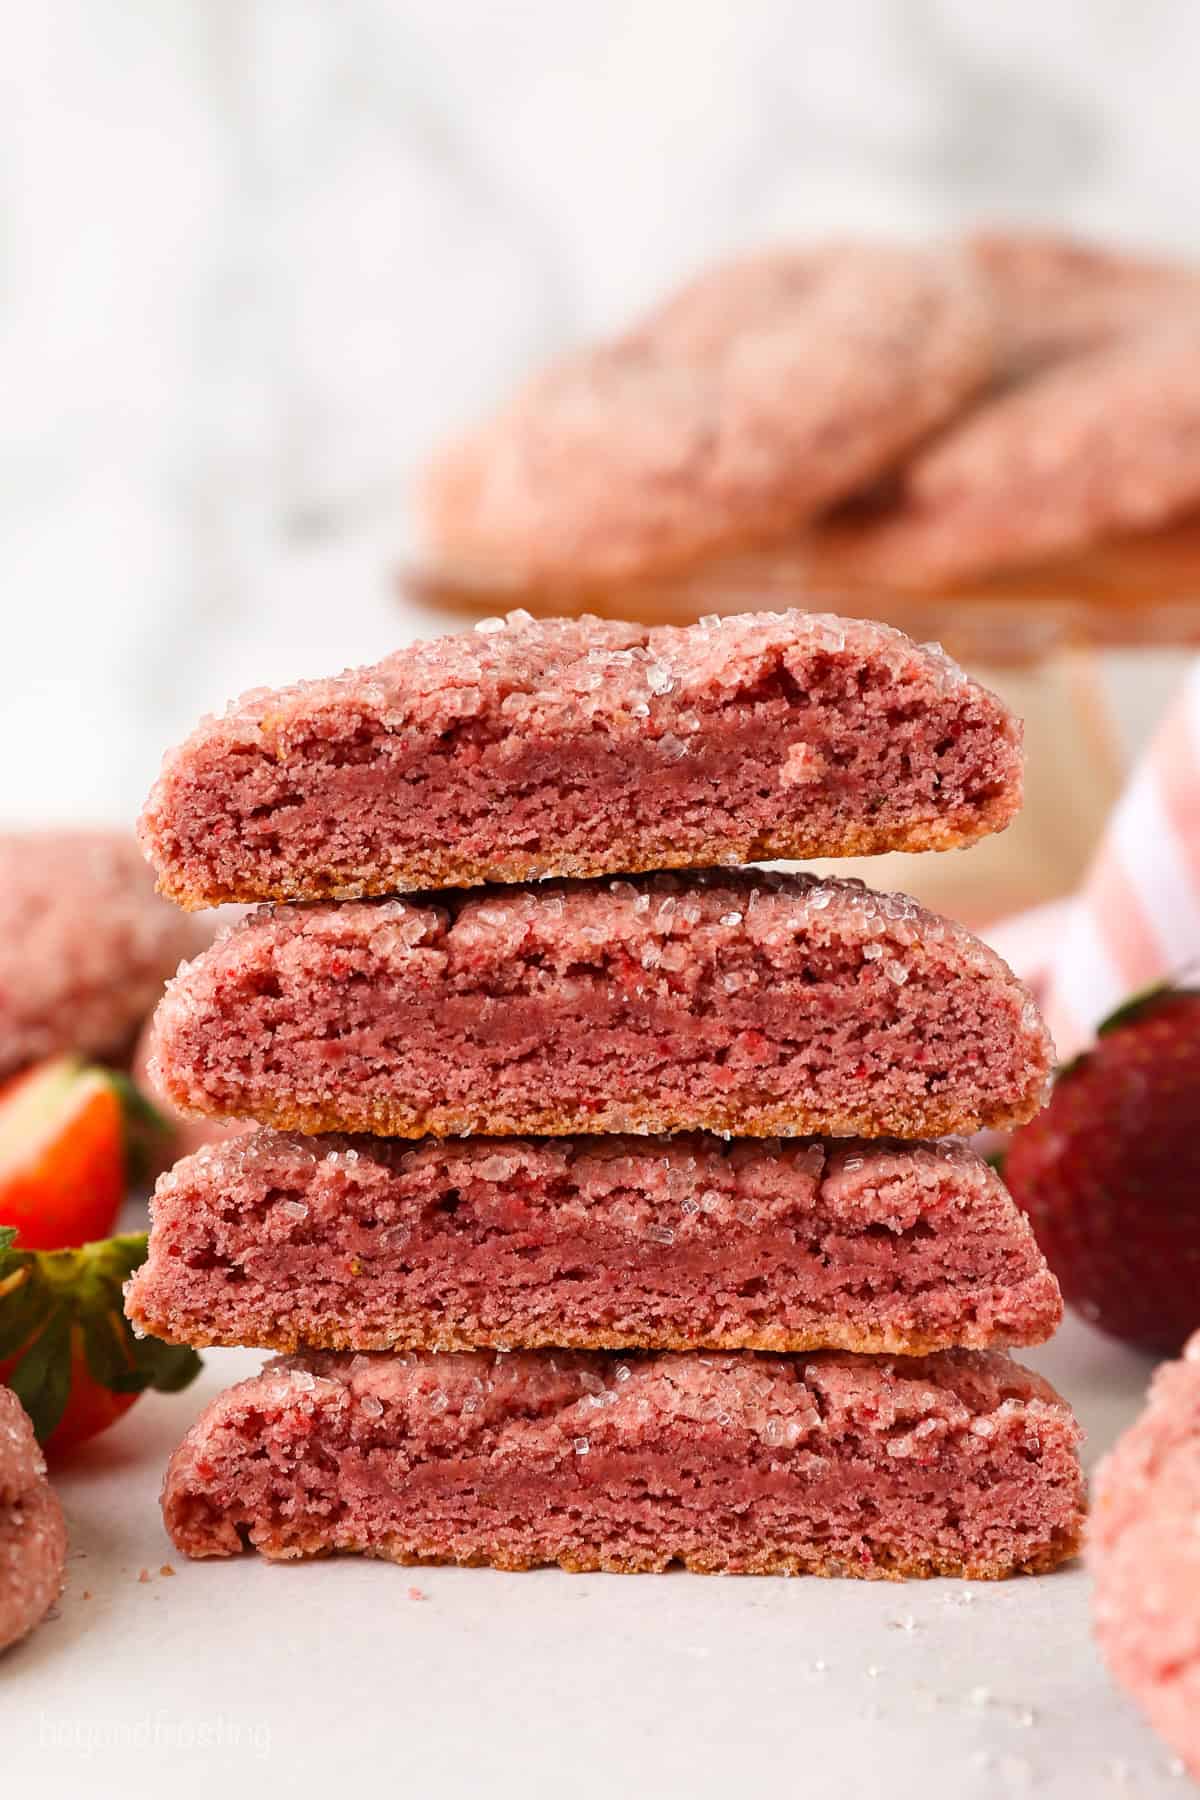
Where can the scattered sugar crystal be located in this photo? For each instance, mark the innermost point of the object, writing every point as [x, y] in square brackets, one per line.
[689, 1206]
[497, 1168]
[873, 1671]
[642, 904]
[372, 1406]
[659, 679]
[853, 1164]
[651, 957]
[666, 907]
[672, 747]
[295, 1209]
[710, 1200]
[304, 1379]
[731, 918]
[980, 1697]
[905, 1622]
[582, 1446]
[819, 899]
[984, 1428]
[896, 971]
[438, 1401]
[872, 952]
[621, 1372]
[660, 1234]
[488, 626]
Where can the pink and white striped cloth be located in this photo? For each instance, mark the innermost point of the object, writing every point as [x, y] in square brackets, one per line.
[1136, 917]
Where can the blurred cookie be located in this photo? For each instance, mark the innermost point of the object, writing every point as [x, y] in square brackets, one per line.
[1100, 446]
[1145, 1555]
[33, 1536]
[758, 396]
[1055, 295]
[85, 944]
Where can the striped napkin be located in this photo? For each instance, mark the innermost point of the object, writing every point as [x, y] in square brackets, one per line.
[1136, 917]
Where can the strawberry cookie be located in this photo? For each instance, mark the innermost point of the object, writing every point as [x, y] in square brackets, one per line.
[33, 1535]
[1145, 1555]
[1054, 295]
[593, 1242]
[762, 393]
[85, 945]
[959, 1464]
[585, 747]
[740, 1001]
[1098, 446]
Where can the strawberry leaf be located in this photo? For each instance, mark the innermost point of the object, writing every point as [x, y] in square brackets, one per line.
[42, 1379]
[54, 1301]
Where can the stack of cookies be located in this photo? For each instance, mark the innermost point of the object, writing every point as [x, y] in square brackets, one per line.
[601, 1196]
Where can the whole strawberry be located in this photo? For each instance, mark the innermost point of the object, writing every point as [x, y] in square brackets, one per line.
[1109, 1173]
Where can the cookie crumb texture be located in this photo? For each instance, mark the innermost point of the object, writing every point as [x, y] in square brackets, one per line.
[1144, 1549]
[743, 1002]
[687, 1242]
[527, 748]
[33, 1535]
[960, 1464]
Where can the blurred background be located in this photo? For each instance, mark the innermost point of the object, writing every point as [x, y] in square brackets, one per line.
[258, 255]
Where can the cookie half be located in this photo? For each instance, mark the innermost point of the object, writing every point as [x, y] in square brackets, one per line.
[959, 1464]
[584, 747]
[608, 1243]
[745, 1002]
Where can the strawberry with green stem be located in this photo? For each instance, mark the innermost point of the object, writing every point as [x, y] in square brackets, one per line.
[66, 1347]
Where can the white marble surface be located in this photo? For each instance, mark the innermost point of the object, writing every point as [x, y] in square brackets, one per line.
[255, 255]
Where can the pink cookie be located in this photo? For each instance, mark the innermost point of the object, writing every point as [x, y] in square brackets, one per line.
[33, 1535]
[1145, 1553]
[605, 1243]
[746, 1002]
[959, 1464]
[762, 393]
[1102, 445]
[1054, 295]
[85, 945]
[584, 747]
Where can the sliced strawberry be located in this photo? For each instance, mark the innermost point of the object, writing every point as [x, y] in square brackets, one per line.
[67, 1130]
[66, 1347]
